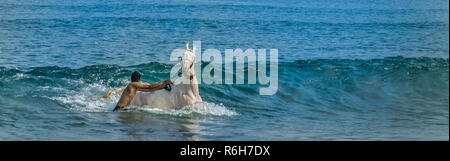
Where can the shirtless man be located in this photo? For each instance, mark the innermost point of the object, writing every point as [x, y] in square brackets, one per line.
[136, 85]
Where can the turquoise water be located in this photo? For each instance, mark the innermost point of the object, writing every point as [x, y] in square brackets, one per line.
[348, 70]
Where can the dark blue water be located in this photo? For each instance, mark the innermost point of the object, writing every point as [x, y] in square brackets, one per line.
[349, 70]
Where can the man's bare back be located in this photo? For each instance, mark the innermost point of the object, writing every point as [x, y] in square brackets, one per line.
[130, 91]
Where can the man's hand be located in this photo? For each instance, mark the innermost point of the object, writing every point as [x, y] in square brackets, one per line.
[167, 85]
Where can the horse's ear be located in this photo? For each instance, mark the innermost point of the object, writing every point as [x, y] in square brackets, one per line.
[187, 46]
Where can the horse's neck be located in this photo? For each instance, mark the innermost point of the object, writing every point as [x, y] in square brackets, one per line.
[194, 87]
[191, 87]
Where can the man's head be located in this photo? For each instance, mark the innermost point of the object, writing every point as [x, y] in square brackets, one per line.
[135, 77]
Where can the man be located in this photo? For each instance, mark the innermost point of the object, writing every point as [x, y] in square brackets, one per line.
[136, 85]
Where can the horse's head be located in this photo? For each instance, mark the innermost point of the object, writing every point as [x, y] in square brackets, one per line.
[187, 83]
[187, 63]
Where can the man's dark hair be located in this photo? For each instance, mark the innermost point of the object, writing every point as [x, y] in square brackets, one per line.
[136, 76]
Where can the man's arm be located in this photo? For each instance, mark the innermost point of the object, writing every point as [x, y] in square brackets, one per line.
[152, 87]
[114, 92]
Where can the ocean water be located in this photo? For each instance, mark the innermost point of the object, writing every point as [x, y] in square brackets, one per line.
[348, 69]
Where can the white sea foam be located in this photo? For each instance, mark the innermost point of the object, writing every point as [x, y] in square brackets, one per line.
[47, 88]
[203, 108]
[86, 99]
[19, 76]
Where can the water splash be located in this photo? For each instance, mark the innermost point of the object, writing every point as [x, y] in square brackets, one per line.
[202, 108]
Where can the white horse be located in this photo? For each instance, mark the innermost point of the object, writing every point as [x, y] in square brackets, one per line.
[184, 90]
